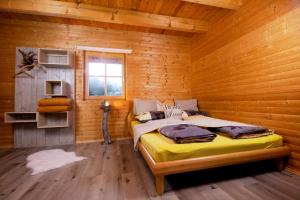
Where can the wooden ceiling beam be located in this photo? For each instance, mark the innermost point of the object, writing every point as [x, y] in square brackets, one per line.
[228, 4]
[102, 14]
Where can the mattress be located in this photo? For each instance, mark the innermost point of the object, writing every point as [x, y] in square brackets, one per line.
[163, 149]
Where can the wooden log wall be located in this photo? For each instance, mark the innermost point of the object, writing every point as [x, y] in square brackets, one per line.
[247, 68]
[158, 67]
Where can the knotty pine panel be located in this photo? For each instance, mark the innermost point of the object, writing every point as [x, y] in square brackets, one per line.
[248, 69]
[235, 24]
[159, 67]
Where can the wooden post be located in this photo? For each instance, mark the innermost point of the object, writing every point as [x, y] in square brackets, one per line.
[160, 184]
[106, 136]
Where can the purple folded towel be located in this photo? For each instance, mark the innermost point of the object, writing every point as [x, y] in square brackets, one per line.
[237, 131]
[186, 133]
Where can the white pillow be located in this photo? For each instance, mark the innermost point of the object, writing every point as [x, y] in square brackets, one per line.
[172, 112]
[144, 117]
[141, 106]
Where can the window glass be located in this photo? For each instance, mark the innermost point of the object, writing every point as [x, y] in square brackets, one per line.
[114, 86]
[96, 69]
[114, 69]
[96, 86]
[104, 74]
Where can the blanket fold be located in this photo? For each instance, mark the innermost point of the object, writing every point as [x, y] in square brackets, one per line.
[49, 109]
[187, 133]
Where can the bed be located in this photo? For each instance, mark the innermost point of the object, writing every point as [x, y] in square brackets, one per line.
[164, 157]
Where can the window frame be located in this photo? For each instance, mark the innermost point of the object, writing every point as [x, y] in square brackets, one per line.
[86, 76]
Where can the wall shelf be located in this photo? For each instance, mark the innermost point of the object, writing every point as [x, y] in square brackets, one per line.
[56, 88]
[31, 128]
[20, 117]
[55, 58]
[54, 120]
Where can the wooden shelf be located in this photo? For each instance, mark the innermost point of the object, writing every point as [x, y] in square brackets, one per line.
[56, 88]
[55, 58]
[20, 117]
[54, 120]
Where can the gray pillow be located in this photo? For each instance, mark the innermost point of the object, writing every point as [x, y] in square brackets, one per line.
[190, 104]
[141, 106]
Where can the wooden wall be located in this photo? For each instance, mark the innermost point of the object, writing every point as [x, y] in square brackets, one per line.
[247, 68]
[158, 67]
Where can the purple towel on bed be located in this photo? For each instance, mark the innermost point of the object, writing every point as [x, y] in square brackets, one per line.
[186, 133]
[238, 131]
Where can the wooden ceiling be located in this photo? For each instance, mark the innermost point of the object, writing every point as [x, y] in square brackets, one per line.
[174, 8]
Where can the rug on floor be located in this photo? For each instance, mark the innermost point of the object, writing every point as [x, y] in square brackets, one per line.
[46, 160]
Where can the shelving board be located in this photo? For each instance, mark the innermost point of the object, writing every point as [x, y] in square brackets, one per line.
[54, 120]
[28, 92]
[56, 88]
[20, 117]
[57, 58]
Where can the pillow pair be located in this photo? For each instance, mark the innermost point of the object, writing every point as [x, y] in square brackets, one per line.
[147, 110]
[177, 111]
[169, 112]
[145, 105]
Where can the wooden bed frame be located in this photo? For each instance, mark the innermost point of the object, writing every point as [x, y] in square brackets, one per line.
[161, 169]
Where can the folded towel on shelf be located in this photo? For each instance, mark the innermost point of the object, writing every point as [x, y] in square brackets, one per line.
[55, 102]
[49, 109]
[244, 131]
[186, 133]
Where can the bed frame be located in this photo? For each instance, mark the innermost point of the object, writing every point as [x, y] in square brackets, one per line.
[161, 169]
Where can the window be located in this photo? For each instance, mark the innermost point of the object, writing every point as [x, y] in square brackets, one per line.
[104, 75]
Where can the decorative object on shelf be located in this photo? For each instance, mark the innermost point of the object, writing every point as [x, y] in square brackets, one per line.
[106, 107]
[29, 61]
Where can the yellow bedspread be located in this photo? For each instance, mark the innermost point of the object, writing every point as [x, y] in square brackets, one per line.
[162, 148]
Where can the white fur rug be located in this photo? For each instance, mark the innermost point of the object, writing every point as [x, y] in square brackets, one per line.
[50, 159]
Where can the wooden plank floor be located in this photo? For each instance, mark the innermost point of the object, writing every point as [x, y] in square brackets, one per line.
[117, 172]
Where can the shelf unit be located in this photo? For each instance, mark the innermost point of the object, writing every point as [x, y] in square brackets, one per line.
[31, 128]
[54, 120]
[20, 117]
[55, 88]
[55, 58]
